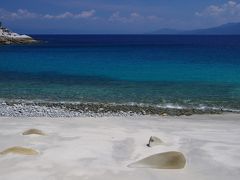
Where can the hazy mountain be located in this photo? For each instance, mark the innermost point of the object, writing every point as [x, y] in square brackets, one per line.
[225, 29]
[168, 31]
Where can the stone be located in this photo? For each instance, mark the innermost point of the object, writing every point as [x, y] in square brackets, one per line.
[167, 160]
[33, 131]
[164, 114]
[19, 150]
[154, 141]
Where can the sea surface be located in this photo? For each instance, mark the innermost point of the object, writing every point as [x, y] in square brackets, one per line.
[124, 72]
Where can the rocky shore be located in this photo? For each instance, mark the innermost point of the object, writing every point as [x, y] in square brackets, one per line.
[51, 109]
[20, 40]
[9, 37]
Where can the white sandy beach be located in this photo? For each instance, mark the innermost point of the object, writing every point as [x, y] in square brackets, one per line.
[102, 148]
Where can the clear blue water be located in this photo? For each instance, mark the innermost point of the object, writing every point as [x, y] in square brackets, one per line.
[180, 71]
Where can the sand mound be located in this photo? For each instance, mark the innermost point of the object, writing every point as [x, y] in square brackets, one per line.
[33, 131]
[154, 141]
[19, 150]
[167, 160]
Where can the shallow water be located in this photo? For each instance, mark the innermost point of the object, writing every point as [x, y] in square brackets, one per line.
[198, 72]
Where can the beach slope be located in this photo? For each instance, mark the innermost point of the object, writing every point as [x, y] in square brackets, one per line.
[105, 147]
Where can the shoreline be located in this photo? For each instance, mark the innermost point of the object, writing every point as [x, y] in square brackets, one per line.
[71, 109]
[8, 37]
[16, 40]
[104, 147]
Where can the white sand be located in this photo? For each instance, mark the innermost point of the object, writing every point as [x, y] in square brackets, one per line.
[101, 148]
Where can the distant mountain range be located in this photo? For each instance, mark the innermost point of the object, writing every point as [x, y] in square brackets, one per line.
[225, 29]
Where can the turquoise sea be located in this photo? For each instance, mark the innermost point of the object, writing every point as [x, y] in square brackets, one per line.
[173, 72]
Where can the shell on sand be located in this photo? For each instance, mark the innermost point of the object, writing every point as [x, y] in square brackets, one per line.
[154, 141]
[167, 160]
[33, 131]
[19, 150]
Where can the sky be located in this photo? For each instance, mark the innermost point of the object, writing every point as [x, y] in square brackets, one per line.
[115, 16]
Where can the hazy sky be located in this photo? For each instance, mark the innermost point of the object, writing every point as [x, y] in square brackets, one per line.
[115, 16]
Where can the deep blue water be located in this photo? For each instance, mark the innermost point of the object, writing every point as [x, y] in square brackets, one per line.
[191, 71]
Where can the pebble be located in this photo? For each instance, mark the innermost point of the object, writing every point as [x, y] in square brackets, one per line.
[20, 109]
